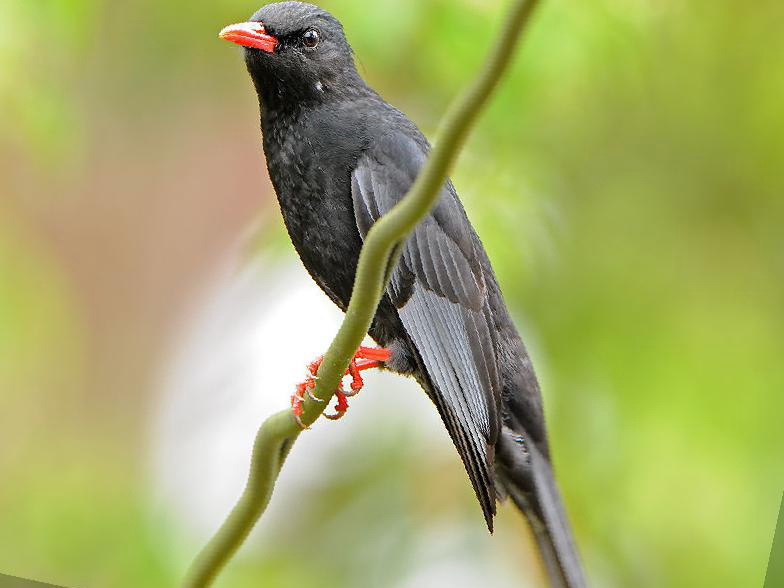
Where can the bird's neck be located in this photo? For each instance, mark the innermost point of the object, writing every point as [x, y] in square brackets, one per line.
[288, 99]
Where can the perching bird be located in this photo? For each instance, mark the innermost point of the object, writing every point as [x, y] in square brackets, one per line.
[340, 157]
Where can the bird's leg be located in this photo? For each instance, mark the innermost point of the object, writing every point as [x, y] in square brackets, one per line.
[364, 359]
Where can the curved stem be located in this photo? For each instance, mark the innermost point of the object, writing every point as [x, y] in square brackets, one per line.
[278, 433]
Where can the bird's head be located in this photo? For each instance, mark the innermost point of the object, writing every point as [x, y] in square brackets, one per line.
[294, 52]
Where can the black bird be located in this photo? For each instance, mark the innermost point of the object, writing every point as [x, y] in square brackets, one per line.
[340, 157]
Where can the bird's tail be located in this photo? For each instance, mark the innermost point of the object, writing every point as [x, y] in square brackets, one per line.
[527, 477]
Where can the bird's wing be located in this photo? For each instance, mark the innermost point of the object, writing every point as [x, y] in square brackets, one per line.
[439, 290]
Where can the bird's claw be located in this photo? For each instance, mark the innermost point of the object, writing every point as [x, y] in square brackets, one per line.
[313, 397]
[364, 358]
[306, 387]
[340, 407]
[356, 379]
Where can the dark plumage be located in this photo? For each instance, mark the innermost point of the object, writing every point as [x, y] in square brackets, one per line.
[340, 157]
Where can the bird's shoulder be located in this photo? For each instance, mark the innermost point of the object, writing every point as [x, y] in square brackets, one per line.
[441, 253]
[367, 120]
[390, 128]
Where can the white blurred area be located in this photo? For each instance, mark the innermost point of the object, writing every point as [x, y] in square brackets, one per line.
[247, 345]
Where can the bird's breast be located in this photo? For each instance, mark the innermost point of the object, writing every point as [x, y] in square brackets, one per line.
[314, 192]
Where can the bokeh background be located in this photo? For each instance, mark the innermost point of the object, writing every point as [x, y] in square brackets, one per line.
[628, 182]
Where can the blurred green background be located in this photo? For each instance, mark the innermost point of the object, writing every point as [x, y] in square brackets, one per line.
[627, 180]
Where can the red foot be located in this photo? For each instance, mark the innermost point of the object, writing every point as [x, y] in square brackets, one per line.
[372, 358]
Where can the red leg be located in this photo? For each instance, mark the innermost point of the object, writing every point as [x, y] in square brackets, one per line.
[356, 379]
[373, 358]
[365, 358]
[376, 353]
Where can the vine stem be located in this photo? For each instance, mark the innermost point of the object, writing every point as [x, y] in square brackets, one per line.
[279, 432]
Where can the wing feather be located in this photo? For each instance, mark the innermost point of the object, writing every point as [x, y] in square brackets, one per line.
[438, 289]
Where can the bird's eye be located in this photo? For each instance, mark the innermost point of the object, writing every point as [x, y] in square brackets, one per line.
[310, 38]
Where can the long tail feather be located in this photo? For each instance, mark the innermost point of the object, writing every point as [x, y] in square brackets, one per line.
[527, 477]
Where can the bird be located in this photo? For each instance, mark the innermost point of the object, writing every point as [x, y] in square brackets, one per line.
[339, 157]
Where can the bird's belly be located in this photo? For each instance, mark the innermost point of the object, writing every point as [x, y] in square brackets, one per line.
[330, 254]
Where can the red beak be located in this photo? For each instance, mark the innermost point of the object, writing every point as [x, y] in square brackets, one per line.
[249, 34]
